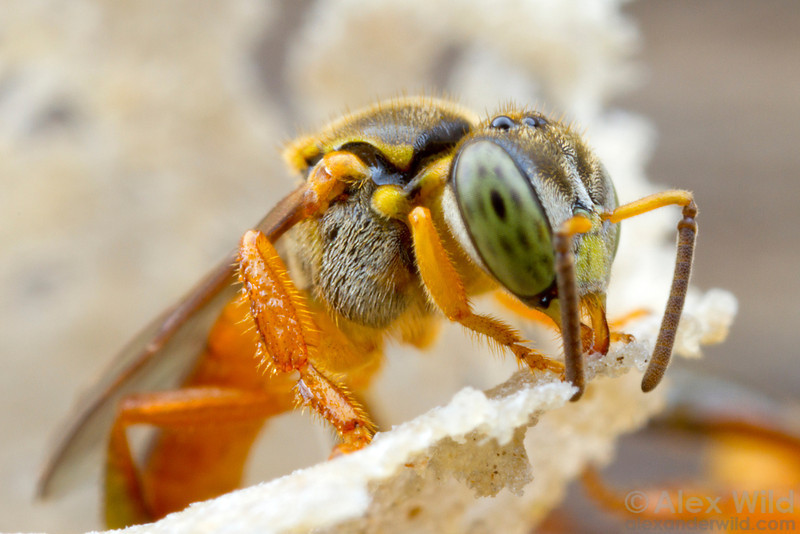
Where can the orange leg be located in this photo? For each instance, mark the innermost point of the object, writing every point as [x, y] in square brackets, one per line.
[194, 413]
[206, 429]
[326, 181]
[209, 426]
[619, 323]
[596, 311]
[741, 455]
[518, 307]
[687, 233]
[447, 291]
[290, 339]
[532, 314]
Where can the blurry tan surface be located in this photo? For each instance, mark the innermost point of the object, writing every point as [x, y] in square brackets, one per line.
[722, 92]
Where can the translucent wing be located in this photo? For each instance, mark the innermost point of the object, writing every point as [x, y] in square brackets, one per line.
[158, 358]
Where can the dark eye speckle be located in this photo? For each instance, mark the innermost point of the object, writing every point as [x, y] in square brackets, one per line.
[534, 122]
[498, 204]
[501, 122]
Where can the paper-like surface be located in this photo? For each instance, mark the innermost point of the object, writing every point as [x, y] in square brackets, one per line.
[494, 461]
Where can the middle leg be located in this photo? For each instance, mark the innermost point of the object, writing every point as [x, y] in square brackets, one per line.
[447, 291]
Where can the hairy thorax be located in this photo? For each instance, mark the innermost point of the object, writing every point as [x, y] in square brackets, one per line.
[360, 266]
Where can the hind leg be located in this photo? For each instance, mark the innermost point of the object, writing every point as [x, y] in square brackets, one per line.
[205, 429]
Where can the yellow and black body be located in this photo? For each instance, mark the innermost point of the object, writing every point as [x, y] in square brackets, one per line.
[403, 212]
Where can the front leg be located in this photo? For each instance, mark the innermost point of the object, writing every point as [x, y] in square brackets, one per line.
[290, 340]
[447, 291]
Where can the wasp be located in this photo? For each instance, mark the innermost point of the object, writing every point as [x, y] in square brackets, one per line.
[404, 211]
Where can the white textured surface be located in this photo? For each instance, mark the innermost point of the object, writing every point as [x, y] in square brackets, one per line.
[473, 465]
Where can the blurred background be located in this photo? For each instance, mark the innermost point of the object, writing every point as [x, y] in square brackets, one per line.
[722, 88]
[139, 139]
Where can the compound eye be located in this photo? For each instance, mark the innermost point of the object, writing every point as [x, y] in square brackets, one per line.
[504, 218]
[501, 122]
[534, 122]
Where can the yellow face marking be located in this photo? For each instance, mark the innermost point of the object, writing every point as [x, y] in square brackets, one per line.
[391, 202]
[592, 258]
